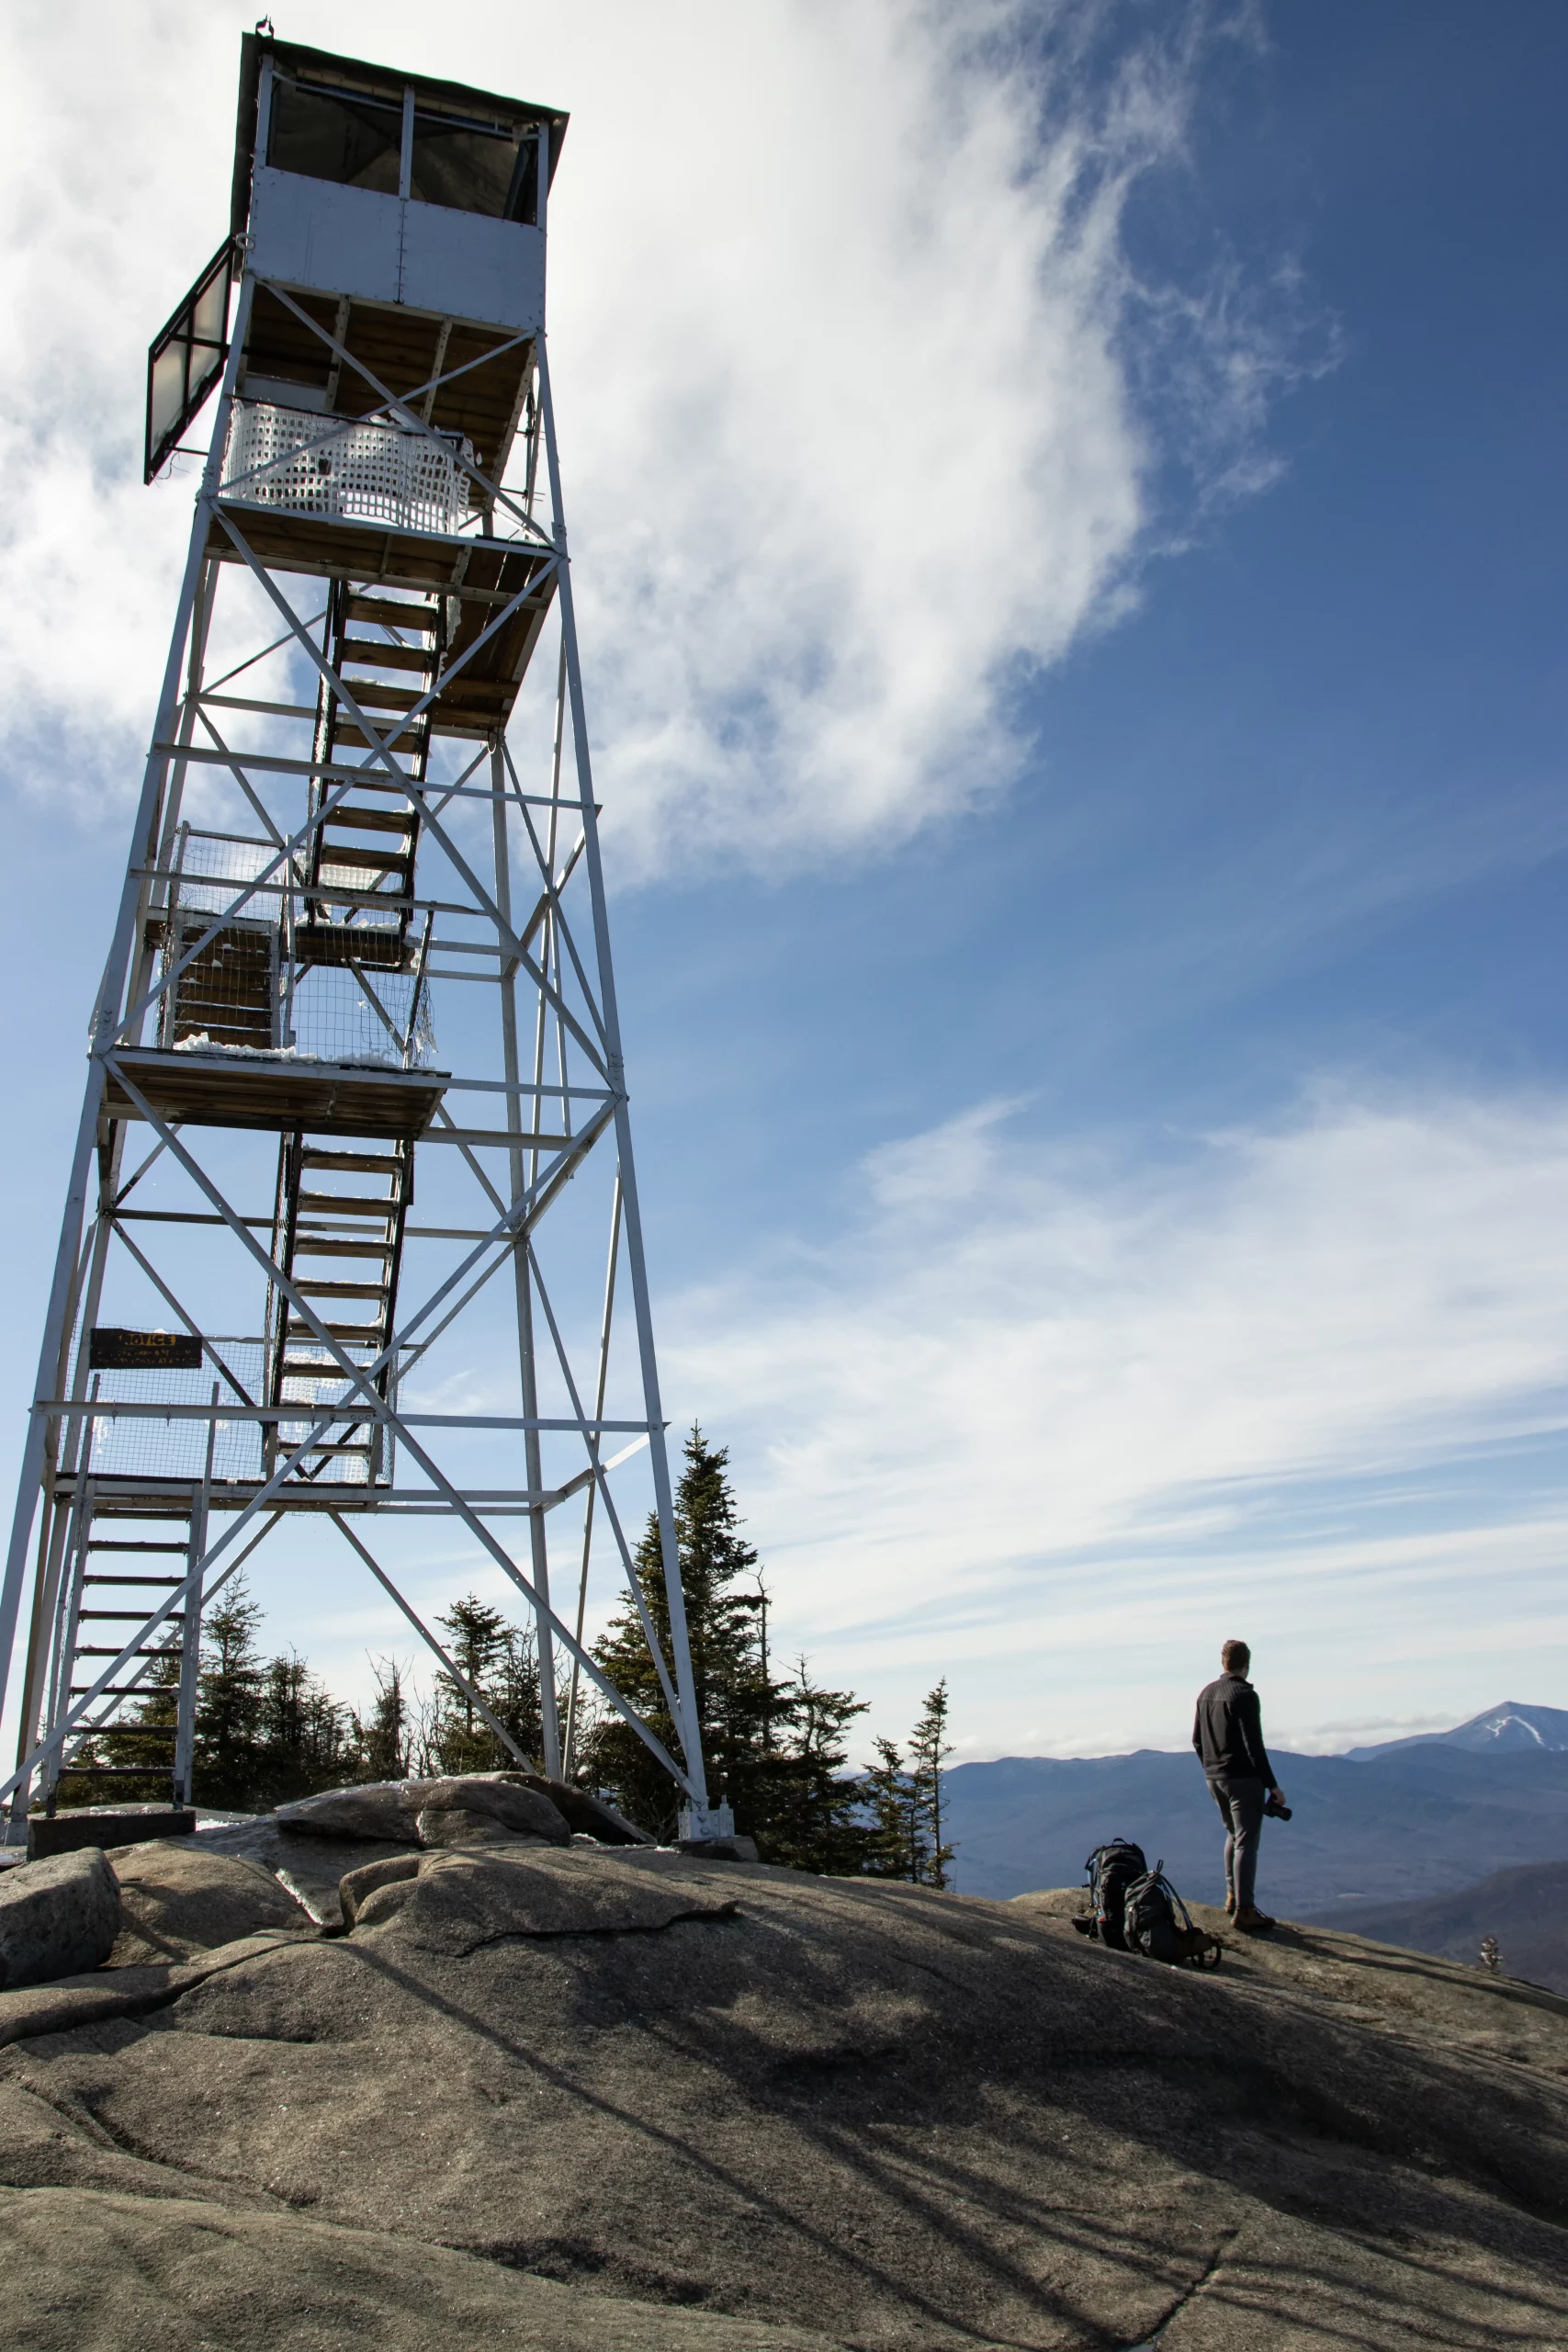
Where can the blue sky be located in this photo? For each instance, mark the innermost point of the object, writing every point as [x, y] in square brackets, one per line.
[1072, 591]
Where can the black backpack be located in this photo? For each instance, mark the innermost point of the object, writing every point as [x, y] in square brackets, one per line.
[1155, 1921]
[1110, 1870]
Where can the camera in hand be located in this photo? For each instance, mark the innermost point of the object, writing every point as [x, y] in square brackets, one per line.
[1275, 1807]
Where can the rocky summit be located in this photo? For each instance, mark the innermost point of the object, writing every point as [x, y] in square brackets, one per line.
[524, 2092]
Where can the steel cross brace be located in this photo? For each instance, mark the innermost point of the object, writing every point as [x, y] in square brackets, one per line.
[379, 1408]
[340, 431]
[416, 424]
[513, 1221]
[417, 793]
[590, 1431]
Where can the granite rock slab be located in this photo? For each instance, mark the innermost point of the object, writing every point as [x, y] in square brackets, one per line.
[920, 2122]
[89, 2271]
[57, 1916]
[177, 1899]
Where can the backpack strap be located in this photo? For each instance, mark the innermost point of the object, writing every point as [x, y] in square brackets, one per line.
[1177, 1904]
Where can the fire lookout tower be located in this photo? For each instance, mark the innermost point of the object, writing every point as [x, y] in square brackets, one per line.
[329, 830]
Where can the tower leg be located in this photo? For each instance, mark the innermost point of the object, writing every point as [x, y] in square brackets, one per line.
[191, 1629]
[105, 1009]
[190, 1658]
[539, 1559]
[702, 1820]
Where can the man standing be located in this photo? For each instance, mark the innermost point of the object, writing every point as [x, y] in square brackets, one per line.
[1227, 1732]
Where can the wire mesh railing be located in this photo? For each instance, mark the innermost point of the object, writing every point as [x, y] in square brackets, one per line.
[298, 461]
[145, 1445]
[274, 981]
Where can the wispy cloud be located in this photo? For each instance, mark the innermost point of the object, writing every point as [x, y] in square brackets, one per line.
[861, 397]
[1045, 1412]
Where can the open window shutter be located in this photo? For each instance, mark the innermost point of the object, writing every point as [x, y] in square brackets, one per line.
[185, 359]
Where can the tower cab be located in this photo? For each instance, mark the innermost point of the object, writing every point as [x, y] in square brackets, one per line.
[388, 233]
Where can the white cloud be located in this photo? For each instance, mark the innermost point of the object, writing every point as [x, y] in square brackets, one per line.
[857, 390]
[1032, 1414]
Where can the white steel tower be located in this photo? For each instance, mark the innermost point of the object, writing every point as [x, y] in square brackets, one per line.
[251, 1320]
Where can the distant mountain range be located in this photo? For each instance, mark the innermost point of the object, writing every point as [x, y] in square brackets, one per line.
[1401, 1822]
[1526, 1909]
[1509, 1727]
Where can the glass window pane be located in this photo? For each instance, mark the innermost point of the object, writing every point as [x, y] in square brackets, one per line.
[332, 137]
[211, 315]
[472, 171]
[205, 366]
[166, 398]
[187, 357]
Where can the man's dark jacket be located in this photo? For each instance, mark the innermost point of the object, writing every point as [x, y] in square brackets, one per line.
[1227, 1732]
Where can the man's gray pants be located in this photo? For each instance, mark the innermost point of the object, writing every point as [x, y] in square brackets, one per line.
[1240, 1799]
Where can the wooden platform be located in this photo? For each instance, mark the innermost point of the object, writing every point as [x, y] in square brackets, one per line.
[125, 1495]
[131, 1825]
[233, 1090]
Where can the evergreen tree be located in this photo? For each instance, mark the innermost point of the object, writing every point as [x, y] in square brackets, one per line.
[499, 1661]
[460, 1739]
[742, 1713]
[930, 1748]
[229, 1703]
[775, 1749]
[512, 1696]
[266, 1731]
[383, 1740]
[888, 1797]
[819, 1822]
[301, 1742]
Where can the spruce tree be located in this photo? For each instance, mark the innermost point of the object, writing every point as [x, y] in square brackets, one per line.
[930, 1748]
[888, 1797]
[228, 1703]
[501, 1663]
[460, 1740]
[741, 1710]
[820, 1820]
[383, 1739]
[300, 1734]
[512, 1696]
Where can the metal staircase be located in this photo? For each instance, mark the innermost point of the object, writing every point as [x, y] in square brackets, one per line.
[114, 1582]
[361, 867]
[338, 1240]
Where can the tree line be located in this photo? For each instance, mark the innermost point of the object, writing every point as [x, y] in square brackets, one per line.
[775, 1741]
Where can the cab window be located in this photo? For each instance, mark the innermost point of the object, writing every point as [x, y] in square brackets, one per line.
[335, 135]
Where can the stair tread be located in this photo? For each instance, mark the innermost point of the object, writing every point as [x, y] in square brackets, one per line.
[385, 656]
[339, 1290]
[368, 606]
[161, 1584]
[85, 1649]
[354, 1163]
[341, 857]
[309, 1245]
[371, 694]
[359, 1335]
[121, 1689]
[127, 1616]
[372, 820]
[352, 1204]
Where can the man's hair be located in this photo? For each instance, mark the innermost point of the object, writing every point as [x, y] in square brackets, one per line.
[1234, 1656]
